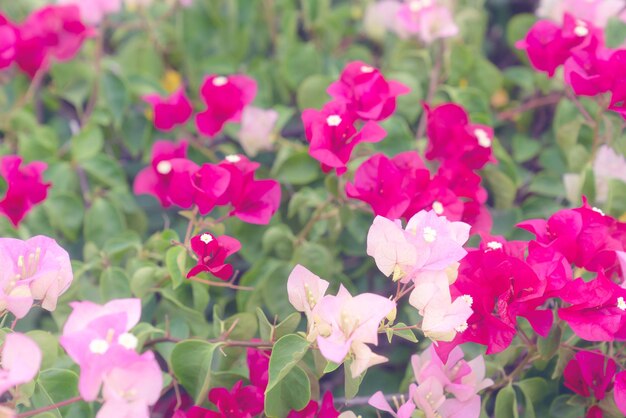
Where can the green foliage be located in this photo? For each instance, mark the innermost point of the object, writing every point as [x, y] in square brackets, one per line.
[191, 363]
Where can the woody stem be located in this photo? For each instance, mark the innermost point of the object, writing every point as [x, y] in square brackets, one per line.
[50, 407]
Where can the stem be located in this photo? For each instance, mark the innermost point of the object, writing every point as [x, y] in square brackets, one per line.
[396, 399]
[220, 284]
[50, 407]
[531, 104]
[432, 86]
[316, 217]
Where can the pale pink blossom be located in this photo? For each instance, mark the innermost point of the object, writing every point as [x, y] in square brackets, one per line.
[35, 269]
[391, 247]
[131, 387]
[305, 290]
[21, 359]
[97, 338]
[597, 12]
[257, 129]
[93, 11]
[427, 19]
[378, 401]
[608, 165]
[382, 17]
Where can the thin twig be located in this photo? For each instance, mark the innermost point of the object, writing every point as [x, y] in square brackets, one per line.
[50, 407]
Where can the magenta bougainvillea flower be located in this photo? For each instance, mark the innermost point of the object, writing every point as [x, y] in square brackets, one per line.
[97, 338]
[619, 393]
[93, 11]
[212, 251]
[35, 269]
[131, 387]
[26, 187]
[167, 175]
[225, 98]
[365, 91]
[253, 201]
[50, 32]
[315, 410]
[8, 42]
[202, 187]
[239, 402]
[21, 359]
[596, 11]
[258, 365]
[590, 373]
[169, 111]
[332, 135]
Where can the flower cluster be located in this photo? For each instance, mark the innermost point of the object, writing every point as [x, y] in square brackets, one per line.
[342, 324]
[361, 96]
[401, 186]
[174, 179]
[53, 32]
[444, 388]
[98, 339]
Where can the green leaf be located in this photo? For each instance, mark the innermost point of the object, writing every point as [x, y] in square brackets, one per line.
[106, 171]
[351, 384]
[518, 27]
[286, 353]
[615, 32]
[506, 403]
[114, 284]
[564, 356]
[49, 346]
[176, 264]
[191, 363]
[102, 221]
[548, 346]
[293, 392]
[560, 408]
[298, 169]
[502, 187]
[115, 95]
[312, 92]
[66, 213]
[407, 334]
[535, 388]
[87, 144]
[55, 385]
[288, 325]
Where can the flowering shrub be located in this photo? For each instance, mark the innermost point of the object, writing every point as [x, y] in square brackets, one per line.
[312, 209]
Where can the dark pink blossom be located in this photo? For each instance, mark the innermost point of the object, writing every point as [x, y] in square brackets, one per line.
[225, 98]
[590, 374]
[203, 187]
[619, 395]
[169, 111]
[332, 135]
[25, 187]
[366, 92]
[315, 410]
[240, 402]
[212, 252]
[258, 365]
[8, 42]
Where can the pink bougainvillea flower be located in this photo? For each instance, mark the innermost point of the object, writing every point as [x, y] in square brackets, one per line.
[427, 20]
[168, 174]
[169, 111]
[8, 42]
[25, 187]
[619, 394]
[590, 373]
[378, 401]
[257, 129]
[258, 366]
[240, 402]
[442, 317]
[597, 12]
[314, 410]
[38, 269]
[212, 252]
[93, 11]
[21, 359]
[388, 185]
[333, 136]
[131, 387]
[348, 324]
[204, 187]
[391, 247]
[253, 201]
[97, 338]
[365, 92]
[381, 17]
[608, 165]
[50, 32]
[548, 46]
[305, 290]
[225, 98]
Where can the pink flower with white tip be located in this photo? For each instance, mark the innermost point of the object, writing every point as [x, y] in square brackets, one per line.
[21, 359]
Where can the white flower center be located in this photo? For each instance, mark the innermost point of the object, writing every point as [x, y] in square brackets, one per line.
[468, 299]
[206, 238]
[461, 327]
[98, 346]
[494, 245]
[621, 303]
[437, 207]
[366, 69]
[127, 340]
[220, 81]
[164, 167]
[333, 120]
[483, 138]
[430, 235]
[581, 29]
[598, 210]
[233, 158]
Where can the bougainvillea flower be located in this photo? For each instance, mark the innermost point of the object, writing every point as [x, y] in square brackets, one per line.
[38, 263]
[548, 47]
[619, 394]
[257, 130]
[253, 201]
[391, 247]
[607, 165]
[202, 187]
[25, 187]
[131, 387]
[93, 11]
[225, 98]
[240, 402]
[333, 136]
[305, 290]
[168, 174]
[97, 337]
[388, 185]
[597, 12]
[429, 21]
[50, 32]
[21, 359]
[442, 318]
[590, 373]
[349, 323]
[378, 401]
[212, 251]
[8, 42]
[169, 111]
[258, 366]
[314, 410]
[365, 91]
